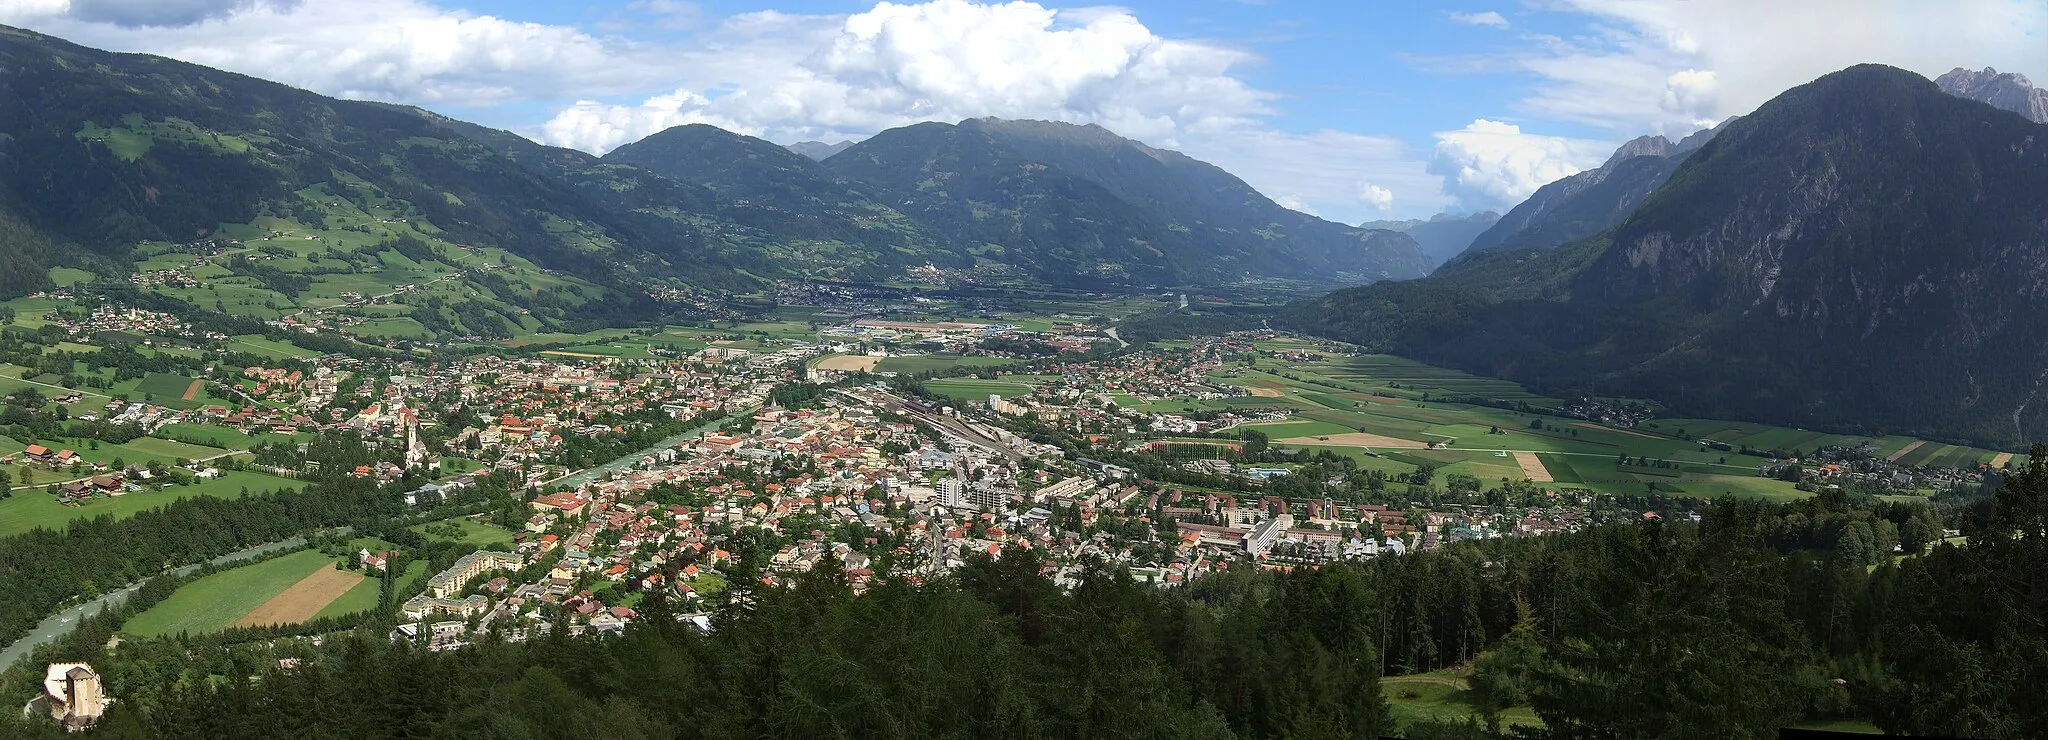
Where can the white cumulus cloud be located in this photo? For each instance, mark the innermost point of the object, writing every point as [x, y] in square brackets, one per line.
[394, 50]
[1490, 164]
[1486, 18]
[947, 60]
[1674, 66]
[1379, 198]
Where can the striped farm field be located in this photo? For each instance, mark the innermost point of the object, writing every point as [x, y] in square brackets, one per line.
[304, 599]
[221, 600]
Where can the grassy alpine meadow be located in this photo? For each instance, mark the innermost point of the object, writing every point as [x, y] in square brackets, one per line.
[215, 602]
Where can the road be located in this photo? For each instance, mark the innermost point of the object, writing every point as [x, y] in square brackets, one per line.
[61, 622]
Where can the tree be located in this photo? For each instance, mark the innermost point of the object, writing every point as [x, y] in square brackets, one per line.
[1921, 531]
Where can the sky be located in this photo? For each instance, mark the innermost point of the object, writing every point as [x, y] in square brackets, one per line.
[1352, 110]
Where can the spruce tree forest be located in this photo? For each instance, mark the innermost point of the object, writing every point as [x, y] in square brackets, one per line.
[1758, 617]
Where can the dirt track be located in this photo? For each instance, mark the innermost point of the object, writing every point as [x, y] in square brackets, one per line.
[1359, 439]
[303, 600]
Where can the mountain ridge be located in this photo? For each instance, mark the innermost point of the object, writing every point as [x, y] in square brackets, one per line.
[1842, 257]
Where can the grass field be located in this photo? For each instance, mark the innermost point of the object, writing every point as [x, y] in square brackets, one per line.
[212, 435]
[975, 390]
[257, 344]
[473, 532]
[361, 598]
[1442, 695]
[214, 602]
[1403, 400]
[31, 508]
[923, 363]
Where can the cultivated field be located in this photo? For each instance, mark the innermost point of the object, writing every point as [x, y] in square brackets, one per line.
[1532, 467]
[1358, 439]
[303, 600]
[1382, 411]
[223, 599]
[849, 363]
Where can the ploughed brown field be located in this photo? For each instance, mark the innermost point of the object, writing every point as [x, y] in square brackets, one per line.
[303, 600]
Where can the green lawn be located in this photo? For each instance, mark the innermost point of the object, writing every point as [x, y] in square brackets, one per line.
[214, 602]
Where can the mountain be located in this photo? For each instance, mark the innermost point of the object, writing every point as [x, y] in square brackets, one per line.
[1864, 252]
[819, 150]
[106, 151]
[101, 152]
[2010, 91]
[1060, 199]
[1589, 202]
[1442, 236]
[818, 217]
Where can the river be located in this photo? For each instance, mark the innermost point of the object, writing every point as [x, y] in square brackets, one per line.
[61, 622]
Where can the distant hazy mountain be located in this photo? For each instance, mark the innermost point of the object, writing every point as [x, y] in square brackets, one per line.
[1442, 236]
[1589, 202]
[819, 150]
[1856, 254]
[1080, 201]
[2009, 91]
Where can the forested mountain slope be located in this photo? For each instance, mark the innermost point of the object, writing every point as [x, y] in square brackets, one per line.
[106, 150]
[1054, 198]
[1589, 202]
[1863, 252]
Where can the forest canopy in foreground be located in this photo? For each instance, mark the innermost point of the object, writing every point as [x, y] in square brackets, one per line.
[1759, 617]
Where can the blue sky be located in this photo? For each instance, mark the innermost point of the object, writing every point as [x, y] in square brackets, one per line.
[1352, 110]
